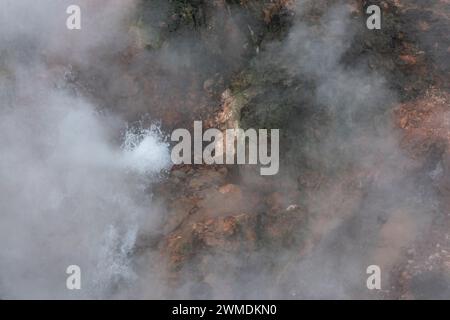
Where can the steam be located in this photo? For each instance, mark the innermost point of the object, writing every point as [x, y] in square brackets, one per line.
[371, 206]
[139, 151]
[76, 179]
[72, 192]
[370, 224]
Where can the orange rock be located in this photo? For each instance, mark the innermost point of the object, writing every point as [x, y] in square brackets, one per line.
[408, 59]
[229, 225]
[229, 188]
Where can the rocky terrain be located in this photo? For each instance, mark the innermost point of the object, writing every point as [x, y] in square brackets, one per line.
[364, 119]
[224, 224]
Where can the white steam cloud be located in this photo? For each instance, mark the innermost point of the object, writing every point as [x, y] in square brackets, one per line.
[70, 191]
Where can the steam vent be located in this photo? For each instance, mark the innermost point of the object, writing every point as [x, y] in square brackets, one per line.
[225, 149]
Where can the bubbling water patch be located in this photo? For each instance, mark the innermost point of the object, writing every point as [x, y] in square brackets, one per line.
[144, 152]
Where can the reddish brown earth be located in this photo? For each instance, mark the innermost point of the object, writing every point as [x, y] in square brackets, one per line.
[213, 212]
